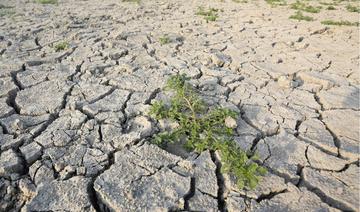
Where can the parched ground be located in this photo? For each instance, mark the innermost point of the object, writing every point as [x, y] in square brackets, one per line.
[74, 126]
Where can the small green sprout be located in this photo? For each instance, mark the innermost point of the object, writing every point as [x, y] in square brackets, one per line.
[304, 7]
[328, 4]
[4, 7]
[330, 7]
[209, 15]
[340, 23]
[133, 1]
[164, 40]
[201, 128]
[301, 17]
[352, 8]
[240, 1]
[6, 10]
[47, 1]
[275, 3]
[61, 46]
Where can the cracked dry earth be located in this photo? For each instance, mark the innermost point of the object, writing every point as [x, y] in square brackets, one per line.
[75, 132]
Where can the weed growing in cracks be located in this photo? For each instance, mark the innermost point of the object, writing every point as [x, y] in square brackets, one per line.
[330, 7]
[209, 15]
[340, 23]
[240, 1]
[304, 7]
[164, 40]
[200, 128]
[275, 3]
[134, 1]
[47, 1]
[6, 10]
[61, 46]
[352, 8]
[301, 17]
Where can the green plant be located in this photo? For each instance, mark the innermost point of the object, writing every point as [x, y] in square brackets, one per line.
[61, 46]
[301, 17]
[275, 3]
[240, 1]
[304, 7]
[47, 1]
[134, 1]
[330, 7]
[328, 4]
[201, 128]
[4, 7]
[164, 40]
[209, 15]
[352, 8]
[6, 10]
[340, 23]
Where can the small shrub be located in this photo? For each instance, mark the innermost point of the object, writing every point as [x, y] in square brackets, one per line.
[6, 10]
[331, 8]
[134, 1]
[304, 7]
[340, 23]
[352, 8]
[61, 46]
[328, 4]
[4, 7]
[47, 1]
[301, 17]
[164, 40]
[240, 1]
[209, 15]
[275, 3]
[200, 128]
